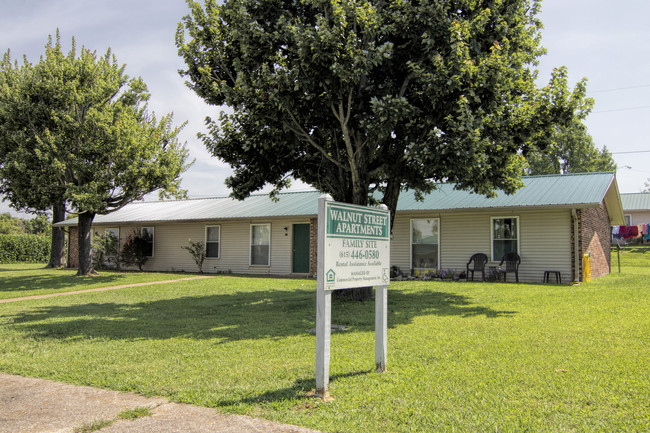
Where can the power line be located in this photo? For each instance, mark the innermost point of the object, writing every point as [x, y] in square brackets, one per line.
[632, 151]
[622, 109]
[620, 88]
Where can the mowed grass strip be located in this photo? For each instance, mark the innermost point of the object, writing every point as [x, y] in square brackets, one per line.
[20, 279]
[468, 357]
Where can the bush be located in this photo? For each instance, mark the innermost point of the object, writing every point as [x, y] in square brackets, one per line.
[106, 251]
[24, 248]
[134, 250]
[197, 251]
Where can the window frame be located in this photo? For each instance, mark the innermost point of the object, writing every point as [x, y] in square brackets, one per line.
[627, 219]
[218, 242]
[437, 219]
[153, 239]
[517, 239]
[250, 245]
[108, 230]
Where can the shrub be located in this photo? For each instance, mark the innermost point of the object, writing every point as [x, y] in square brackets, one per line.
[134, 250]
[106, 251]
[197, 251]
[24, 248]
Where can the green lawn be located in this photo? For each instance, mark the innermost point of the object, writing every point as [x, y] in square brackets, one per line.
[20, 279]
[463, 357]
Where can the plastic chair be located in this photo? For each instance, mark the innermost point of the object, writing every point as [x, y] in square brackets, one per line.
[479, 260]
[512, 261]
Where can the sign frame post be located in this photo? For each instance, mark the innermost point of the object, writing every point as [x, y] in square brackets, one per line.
[323, 310]
[353, 251]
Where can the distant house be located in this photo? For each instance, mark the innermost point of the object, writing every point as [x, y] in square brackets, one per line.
[551, 222]
[636, 211]
[636, 208]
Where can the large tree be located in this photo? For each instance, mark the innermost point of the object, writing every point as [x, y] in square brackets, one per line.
[357, 96]
[572, 150]
[363, 99]
[75, 131]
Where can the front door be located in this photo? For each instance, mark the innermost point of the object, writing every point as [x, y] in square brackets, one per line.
[301, 248]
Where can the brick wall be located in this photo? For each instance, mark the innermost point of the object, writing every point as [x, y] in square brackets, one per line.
[313, 246]
[73, 247]
[594, 239]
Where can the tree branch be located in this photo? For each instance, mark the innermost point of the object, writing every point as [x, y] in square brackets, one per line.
[295, 127]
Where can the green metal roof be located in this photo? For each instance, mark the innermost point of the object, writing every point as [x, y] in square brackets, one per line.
[256, 206]
[636, 201]
[569, 190]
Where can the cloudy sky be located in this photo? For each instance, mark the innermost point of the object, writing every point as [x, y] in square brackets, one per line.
[597, 39]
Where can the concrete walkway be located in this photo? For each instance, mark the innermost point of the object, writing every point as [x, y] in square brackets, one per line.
[30, 405]
[99, 289]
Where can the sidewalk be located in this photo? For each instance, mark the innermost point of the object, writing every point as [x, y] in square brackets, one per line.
[38, 405]
[99, 289]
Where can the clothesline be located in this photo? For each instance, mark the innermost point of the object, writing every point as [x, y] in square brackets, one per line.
[626, 232]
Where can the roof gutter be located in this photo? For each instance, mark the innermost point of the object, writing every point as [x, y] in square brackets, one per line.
[576, 245]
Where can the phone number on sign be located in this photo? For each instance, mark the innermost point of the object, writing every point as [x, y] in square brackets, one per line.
[360, 254]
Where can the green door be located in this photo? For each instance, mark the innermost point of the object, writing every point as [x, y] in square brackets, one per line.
[301, 248]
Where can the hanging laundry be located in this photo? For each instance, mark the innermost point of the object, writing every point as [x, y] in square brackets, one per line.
[633, 231]
[616, 230]
[628, 231]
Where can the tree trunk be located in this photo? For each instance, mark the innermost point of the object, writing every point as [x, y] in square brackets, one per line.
[359, 197]
[391, 196]
[85, 249]
[57, 253]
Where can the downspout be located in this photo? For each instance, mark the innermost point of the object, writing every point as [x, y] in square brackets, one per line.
[576, 245]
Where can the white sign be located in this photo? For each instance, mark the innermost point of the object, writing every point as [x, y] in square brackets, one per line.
[353, 251]
[357, 246]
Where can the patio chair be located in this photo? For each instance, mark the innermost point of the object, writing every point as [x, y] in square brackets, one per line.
[512, 261]
[478, 262]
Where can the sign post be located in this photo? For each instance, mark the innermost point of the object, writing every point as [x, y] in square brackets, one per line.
[353, 251]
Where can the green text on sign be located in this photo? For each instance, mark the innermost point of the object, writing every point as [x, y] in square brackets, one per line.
[350, 221]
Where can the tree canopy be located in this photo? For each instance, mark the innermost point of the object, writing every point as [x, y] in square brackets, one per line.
[38, 225]
[76, 130]
[572, 150]
[356, 97]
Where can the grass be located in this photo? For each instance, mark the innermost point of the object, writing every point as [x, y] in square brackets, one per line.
[135, 413]
[463, 357]
[129, 415]
[20, 279]
[95, 425]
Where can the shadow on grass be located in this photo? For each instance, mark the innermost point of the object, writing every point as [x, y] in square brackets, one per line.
[298, 391]
[270, 314]
[638, 249]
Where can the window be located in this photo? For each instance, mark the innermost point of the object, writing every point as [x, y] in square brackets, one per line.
[628, 220]
[260, 244]
[505, 236]
[113, 233]
[147, 234]
[424, 243]
[212, 238]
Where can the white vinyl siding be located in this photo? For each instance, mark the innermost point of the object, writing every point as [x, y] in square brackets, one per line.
[544, 240]
[638, 217]
[234, 247]
[212, 241]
